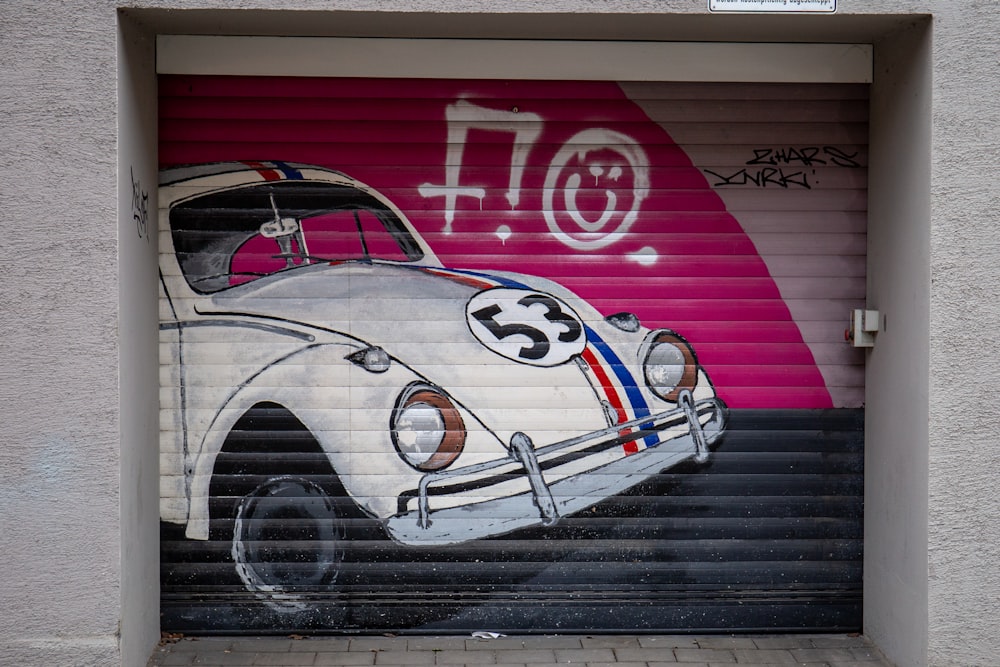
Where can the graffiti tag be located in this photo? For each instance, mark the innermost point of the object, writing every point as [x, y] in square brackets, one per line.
[598, 153]
[463, 116]
[140, 207]
[775, 167]
[761, 178]
[810, 155]
[615, 162]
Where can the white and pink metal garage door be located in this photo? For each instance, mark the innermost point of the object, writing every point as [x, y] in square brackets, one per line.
[529, 356]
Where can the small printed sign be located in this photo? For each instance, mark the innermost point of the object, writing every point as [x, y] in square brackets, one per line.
[803, 6]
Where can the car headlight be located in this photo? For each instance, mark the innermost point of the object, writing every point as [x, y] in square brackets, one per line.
[427, 428]
[668, 364]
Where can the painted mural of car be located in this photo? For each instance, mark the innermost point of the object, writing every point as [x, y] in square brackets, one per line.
[451, 404]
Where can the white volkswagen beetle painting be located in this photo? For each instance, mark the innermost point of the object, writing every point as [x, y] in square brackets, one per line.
[449, 404]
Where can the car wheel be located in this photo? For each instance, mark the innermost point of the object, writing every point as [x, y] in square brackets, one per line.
[288, 541]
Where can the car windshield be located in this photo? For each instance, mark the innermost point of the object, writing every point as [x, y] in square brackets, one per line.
[227, 238]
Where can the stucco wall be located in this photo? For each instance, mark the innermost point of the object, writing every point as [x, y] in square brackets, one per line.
[64, 432]
[60, 427]
[963, 505]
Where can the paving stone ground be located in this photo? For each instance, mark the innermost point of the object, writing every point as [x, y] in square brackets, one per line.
[525, 651]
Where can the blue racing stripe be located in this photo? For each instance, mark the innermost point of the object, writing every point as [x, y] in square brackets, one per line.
[639, 406]
[290, 173]
[506, 282]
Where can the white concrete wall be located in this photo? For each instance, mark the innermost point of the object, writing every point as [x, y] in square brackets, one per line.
[75, 464]
[138, 342]
[895, 602]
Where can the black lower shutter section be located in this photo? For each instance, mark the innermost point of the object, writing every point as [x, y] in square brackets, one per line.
[766, 536]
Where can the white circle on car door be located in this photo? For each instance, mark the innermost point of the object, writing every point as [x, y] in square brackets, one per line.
[528, 327]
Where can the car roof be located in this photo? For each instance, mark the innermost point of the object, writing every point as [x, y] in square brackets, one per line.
[277, 169]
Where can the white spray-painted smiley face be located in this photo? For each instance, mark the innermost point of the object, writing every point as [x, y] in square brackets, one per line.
[594, 188]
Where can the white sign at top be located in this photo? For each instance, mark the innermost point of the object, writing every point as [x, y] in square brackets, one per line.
[810, 6]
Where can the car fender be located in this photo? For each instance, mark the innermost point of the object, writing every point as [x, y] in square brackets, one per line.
[348, 409]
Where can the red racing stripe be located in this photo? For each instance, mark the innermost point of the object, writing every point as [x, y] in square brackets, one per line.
[609, 391]
[471, 281]
[268, 173]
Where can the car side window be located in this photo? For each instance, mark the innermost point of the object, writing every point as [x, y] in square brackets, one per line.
[379, 242]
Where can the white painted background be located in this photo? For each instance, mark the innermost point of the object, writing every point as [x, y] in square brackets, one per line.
[77, 522]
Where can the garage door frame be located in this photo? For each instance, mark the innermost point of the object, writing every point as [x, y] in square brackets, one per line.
[896, 587]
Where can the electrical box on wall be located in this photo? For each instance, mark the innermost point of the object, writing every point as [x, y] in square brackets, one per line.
[864, 326]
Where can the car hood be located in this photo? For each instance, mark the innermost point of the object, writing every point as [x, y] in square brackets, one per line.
[383, 304]
[418, 315]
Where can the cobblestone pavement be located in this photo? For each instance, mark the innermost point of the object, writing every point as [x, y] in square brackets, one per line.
[526, 651]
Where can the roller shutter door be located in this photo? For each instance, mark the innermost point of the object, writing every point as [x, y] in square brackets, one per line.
[444, 356]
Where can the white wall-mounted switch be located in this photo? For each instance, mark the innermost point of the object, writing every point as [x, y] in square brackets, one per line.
[865, 324]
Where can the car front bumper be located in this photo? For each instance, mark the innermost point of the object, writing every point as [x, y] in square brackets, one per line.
[562, 478]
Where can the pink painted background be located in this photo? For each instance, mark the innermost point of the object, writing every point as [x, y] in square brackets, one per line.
[708, 281]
